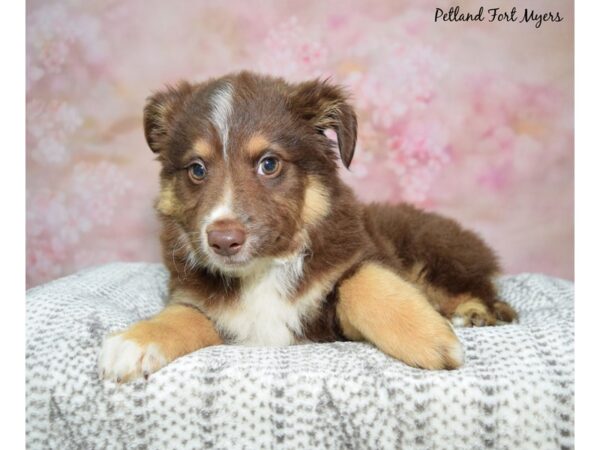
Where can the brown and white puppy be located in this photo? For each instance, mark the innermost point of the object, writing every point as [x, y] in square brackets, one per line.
[266, 246]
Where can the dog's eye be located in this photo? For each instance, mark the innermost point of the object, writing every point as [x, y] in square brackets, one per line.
[269, 166]
[197, 171]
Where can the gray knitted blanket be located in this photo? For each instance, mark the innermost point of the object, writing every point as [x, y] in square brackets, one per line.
[514, 392]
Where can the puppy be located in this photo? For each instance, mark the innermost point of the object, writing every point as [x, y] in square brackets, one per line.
[266, 246]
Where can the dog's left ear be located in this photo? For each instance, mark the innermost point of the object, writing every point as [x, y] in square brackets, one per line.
[325, 106]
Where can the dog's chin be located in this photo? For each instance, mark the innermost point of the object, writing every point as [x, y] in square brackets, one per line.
[231, 266]
[243, 266]
[246, 263]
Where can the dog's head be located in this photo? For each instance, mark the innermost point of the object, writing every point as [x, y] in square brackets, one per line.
[246, 165]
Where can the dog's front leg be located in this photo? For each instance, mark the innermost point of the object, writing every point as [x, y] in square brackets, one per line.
[376, 305]
[148, 345]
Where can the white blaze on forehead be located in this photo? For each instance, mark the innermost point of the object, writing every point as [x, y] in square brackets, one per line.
[221, 101]
[223, 209]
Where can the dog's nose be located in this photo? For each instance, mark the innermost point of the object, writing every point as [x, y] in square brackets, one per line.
[226, 241]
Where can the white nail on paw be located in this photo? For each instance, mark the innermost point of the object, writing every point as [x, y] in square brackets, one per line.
[458, 321]
[457, 354]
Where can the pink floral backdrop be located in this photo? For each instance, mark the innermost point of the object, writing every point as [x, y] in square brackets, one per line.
[474, 120]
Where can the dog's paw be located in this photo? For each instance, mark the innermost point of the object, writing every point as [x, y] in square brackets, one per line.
[439, 349]
[504, 312]
[473, 313]
[426, 341]
[122, 359]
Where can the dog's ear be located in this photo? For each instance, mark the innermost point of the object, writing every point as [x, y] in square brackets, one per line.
[160, 111]
[325, 106]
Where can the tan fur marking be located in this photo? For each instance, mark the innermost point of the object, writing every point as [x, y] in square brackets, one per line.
[348, 329]
[167, 203]
[256, 145]
[177, 330]
[438, 297]
[375, 303]
[203, 149]
[474, 312]
[316, 202]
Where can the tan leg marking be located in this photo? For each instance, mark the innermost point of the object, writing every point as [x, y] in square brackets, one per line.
[316, 201]
[148, 345]
[377, 305]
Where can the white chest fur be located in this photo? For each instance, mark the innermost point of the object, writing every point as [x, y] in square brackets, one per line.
[266, 313]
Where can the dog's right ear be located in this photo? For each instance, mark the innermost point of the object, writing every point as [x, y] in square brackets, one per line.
[325, 106]
[159, 112]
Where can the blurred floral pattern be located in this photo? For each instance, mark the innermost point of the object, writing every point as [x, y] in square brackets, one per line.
[473, 120]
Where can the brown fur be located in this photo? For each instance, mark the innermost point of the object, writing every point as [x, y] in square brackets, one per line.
[378, 272]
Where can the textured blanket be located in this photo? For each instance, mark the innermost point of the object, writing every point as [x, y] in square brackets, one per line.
[514, 392]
